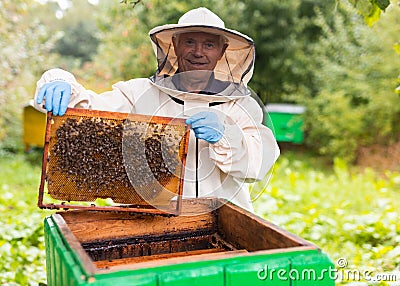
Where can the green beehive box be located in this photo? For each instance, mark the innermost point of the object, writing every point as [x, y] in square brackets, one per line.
[287, 122]
[211, 243]
[207, 241]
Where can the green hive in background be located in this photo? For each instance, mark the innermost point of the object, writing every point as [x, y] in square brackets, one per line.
[286, 120]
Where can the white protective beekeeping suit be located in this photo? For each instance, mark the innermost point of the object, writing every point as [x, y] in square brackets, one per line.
[247, 150]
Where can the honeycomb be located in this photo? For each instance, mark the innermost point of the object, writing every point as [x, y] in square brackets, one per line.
[131, 159]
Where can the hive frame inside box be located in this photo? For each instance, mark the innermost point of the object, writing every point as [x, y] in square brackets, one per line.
[174, 206]
[244, 233]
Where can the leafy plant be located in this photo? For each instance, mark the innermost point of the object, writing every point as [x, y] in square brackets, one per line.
[355, 104]
[22, 246]
[23, 46]
[349, 213]
[370, 9]
[79, 42]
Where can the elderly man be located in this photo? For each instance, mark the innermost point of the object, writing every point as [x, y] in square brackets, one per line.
[203, 71]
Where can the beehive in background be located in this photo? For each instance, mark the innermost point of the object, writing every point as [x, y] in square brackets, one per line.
[34, 127]
[286, 121]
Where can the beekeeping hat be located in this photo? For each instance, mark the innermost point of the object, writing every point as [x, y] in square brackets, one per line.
[237, 62]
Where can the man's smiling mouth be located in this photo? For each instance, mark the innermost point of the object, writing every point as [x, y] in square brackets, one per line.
[196, 63]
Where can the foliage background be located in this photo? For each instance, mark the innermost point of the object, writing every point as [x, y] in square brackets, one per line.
[24, 46]
[320, 54]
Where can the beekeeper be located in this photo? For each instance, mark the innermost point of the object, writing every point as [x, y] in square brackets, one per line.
[202, 75]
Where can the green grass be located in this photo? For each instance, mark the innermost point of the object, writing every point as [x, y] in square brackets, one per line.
[347, 212]
[22, 249]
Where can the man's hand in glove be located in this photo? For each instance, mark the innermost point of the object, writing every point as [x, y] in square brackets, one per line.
[57, 95]
[207, 126]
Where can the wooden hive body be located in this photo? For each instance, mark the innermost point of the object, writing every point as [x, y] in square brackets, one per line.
[224, 246]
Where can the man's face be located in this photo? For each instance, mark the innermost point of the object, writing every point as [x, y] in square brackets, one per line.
[198, 51]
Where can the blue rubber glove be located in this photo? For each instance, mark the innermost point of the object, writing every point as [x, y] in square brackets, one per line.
[207, 126]
[57, 94]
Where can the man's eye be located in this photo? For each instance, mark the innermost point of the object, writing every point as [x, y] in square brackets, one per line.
[209, 45]
[189, 42]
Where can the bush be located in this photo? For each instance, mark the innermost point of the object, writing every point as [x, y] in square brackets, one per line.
[335, 126]
[349, 213]
[355, 104]
[23, 47]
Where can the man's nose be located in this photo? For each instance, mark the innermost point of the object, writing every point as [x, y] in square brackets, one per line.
[198, 50]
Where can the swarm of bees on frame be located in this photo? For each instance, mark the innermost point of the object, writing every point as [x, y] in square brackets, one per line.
[100, 155]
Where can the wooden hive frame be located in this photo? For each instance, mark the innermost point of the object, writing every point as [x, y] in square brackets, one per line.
[143, 207]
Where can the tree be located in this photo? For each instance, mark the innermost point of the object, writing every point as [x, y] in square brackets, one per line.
[79, 41]
[307, 52]
[370, 9]
[23, 47]
[125, 51]
[78, 32]
[282, 40]
[355, 104]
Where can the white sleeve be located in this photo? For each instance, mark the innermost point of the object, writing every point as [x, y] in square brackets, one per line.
[248, 149]
[114, 100]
